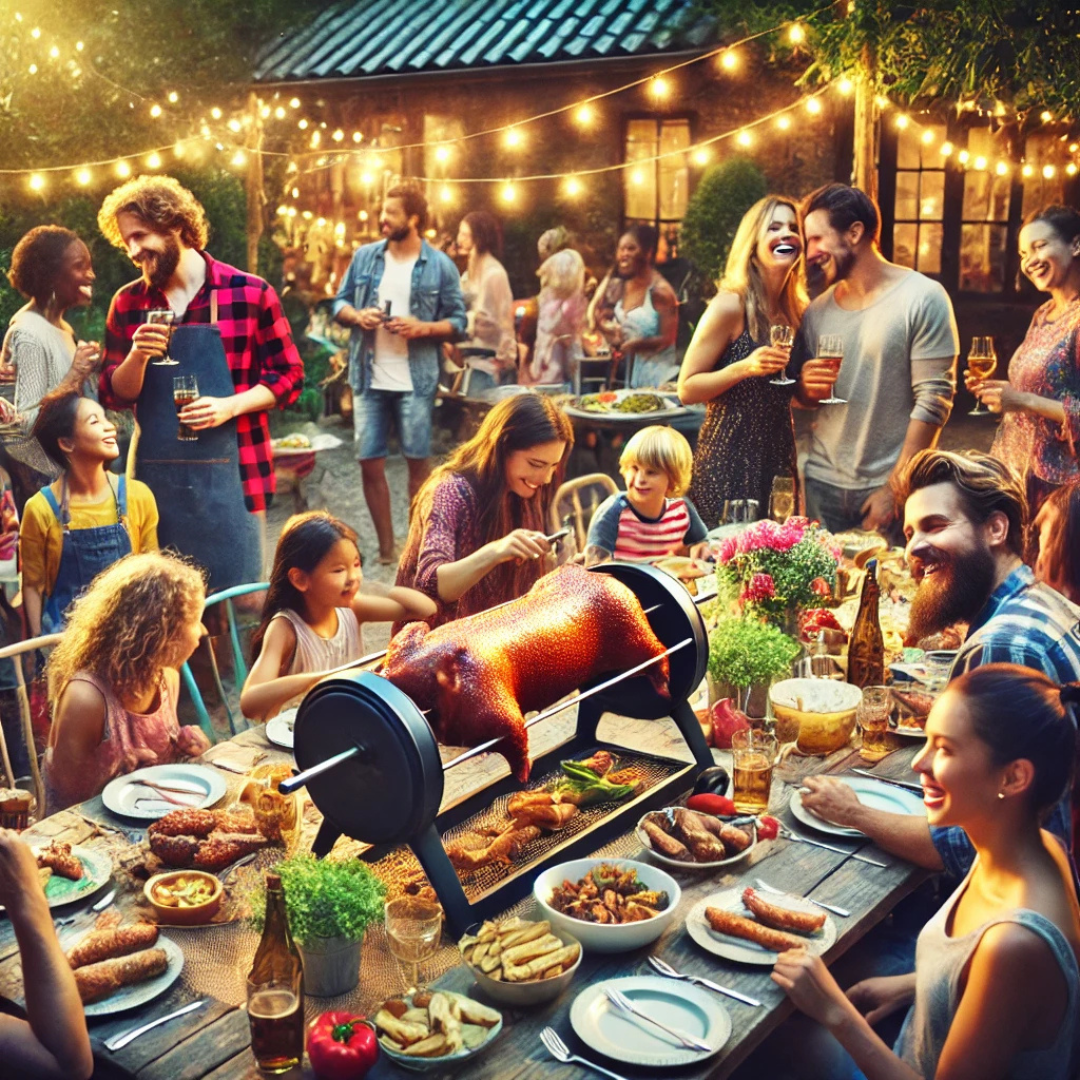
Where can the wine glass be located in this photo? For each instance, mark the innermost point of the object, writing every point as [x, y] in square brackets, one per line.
[163, 317]
[831, 347]
[782, 499]
[981, 361]
[413, 931]
[783, 337]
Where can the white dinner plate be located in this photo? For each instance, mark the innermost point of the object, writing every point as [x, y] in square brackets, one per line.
[279, 729]
[97, 869]
[131, 997]
[128, 796]
[748, 952]
[617, 1035]
[872, 793]
[677, 864]
[671, 407]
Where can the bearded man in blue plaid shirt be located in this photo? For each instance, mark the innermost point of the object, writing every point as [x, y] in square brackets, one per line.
[965, 517]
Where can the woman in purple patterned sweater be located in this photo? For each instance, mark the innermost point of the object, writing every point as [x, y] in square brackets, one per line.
[477, 527]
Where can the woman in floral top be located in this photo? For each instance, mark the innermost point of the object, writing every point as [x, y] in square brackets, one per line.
[1040, 430]
[477, 526]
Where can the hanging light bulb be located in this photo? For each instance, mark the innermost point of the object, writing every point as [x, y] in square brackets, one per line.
[573, 186]
[902, 121]
[442, 153]
[513, 137]
[338, 135]
[295, 193]
[357, 137]
[796, 34]
[174, 97]
[783, 122]
[927, 137]
[845, 86]
[729, 59]
[743, 138]
[445, 194]
[1071, 168]
[1048, 172]
[153, 161]
[813, 106]
[33, 69]
[279, 112]
[36, 182]
[123, 170]
[946, 148]
[509, 194]
[882, 102]
[701, 155]
[54, 53]
[1027, 172]
[1046, 116]
[294, 103]
[83, 177]
[963, 157]
[303, 125]
[584, 115]
[980, 163]
[1001, 168]
[239, 159]
[637, 177]
[659, 87]
[367, 179]
[155, 111]
[234, 126]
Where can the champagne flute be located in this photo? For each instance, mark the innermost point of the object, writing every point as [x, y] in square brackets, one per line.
[782, 499]
[413, 931]
[981, 361]
[831, 347]
[783, 337]
[163, 317]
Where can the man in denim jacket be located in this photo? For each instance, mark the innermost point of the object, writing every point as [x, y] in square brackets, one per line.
[403, 299]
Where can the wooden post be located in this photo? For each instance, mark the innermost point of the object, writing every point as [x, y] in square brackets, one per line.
[864, 173]
[253, 183]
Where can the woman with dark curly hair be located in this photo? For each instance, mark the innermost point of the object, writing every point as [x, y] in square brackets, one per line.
[114, 678]
[51, 267]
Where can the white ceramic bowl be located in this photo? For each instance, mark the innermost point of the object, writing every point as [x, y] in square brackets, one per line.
[439, 1064]
[523, 994]
[601, 937]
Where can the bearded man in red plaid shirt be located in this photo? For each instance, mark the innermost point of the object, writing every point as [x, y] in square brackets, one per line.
[212, 458]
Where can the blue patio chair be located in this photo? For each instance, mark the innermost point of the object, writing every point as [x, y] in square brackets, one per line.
[226, 596]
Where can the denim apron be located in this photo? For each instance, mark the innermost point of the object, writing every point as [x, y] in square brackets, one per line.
[200, 497]
[85, 553]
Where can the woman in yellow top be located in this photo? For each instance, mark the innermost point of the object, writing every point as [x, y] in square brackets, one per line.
[85, 521]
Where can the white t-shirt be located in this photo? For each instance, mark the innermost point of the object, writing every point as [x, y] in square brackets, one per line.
[390, 370]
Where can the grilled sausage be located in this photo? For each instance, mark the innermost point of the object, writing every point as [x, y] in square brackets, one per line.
[726, 922]
[782, 918]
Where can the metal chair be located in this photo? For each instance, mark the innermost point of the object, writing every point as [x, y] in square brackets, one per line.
[226, 597]
[15, 652]
[570, 503]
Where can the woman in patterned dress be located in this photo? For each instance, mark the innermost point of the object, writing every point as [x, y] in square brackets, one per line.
[747, 438]
[1040, 400]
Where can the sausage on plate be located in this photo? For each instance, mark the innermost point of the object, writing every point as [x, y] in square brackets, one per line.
[782, 918]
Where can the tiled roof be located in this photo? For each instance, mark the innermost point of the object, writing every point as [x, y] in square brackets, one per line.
[397, 37]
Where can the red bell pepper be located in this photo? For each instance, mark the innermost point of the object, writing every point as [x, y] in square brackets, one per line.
[341, 1046]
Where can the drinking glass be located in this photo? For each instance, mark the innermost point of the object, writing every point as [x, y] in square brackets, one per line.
[734, 512]
[981, 361]
[831, 347]
[872, 717]
[783, 337]
[163, 317]
[782, 499]
[413, 930]
[750, 510]
[185, 391]
[753, 753]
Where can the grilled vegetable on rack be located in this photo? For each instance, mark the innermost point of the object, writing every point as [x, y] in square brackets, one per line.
[583, 785]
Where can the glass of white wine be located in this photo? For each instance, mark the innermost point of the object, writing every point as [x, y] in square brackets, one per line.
[831, 347]
[413, 931]
[783, 337]
[981, 362]
[163, 317]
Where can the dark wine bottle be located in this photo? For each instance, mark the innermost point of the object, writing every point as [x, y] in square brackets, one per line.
[866, 650]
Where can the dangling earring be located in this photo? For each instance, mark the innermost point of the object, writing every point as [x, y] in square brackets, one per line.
[1001, 794]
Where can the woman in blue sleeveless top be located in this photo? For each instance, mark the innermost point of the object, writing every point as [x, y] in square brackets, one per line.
[996, 987]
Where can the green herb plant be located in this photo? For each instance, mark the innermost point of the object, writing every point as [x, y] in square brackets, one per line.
[744, 651]
[325, 899]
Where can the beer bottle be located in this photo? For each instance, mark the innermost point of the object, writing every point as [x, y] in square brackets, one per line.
[275, 990]
[866, 650]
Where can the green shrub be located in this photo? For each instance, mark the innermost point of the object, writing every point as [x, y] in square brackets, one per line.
[722, 197]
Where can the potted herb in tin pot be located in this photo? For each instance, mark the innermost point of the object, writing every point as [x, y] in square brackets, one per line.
[329, 906]
[745, 656]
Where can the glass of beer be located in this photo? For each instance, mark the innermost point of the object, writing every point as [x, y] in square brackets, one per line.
[753, 753]
[185, 391]
[831, 347]
[163, 317]
[783, 337]
[413, 931]
[981, 362]
[277, 1027]
[872, 717]
[782, 499]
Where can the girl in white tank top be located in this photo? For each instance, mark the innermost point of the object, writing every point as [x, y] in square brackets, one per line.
[313, 613]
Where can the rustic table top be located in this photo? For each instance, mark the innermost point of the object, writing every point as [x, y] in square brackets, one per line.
[213, 1041]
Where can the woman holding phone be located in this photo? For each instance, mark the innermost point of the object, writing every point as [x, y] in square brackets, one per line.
[477, 536]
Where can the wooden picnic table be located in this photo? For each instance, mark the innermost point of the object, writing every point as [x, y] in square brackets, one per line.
[213, 1042]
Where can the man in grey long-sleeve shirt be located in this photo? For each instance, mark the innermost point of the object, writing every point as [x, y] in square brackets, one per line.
[897, 378]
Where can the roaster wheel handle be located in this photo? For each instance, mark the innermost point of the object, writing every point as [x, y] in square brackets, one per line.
[300, 780]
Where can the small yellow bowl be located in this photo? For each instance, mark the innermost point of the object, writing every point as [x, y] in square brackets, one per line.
[194, 915]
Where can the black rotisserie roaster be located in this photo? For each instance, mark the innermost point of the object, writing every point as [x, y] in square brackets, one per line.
[371, 764]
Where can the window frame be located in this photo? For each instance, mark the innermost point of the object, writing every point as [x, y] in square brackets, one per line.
[659, 118]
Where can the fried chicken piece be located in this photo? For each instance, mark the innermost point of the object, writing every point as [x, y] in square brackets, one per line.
[175, 851]
[59, 859]
[96, 981]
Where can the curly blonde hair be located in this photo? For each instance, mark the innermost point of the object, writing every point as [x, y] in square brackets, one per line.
[162, 203]
[123, 629]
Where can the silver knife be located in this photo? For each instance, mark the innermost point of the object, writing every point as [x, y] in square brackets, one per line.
[119, 1041]
[105, 901]
[746, 999]
[889, 780]
[842, 912]
[789, 835]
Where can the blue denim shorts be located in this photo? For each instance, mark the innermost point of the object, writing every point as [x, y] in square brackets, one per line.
[372, 411]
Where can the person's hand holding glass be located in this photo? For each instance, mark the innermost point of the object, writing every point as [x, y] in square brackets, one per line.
[782, 337]
[981, 361]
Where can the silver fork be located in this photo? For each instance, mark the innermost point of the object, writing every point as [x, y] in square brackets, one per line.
[624, 1004]
[561, 1052]
[666, 969]
[765, 887]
